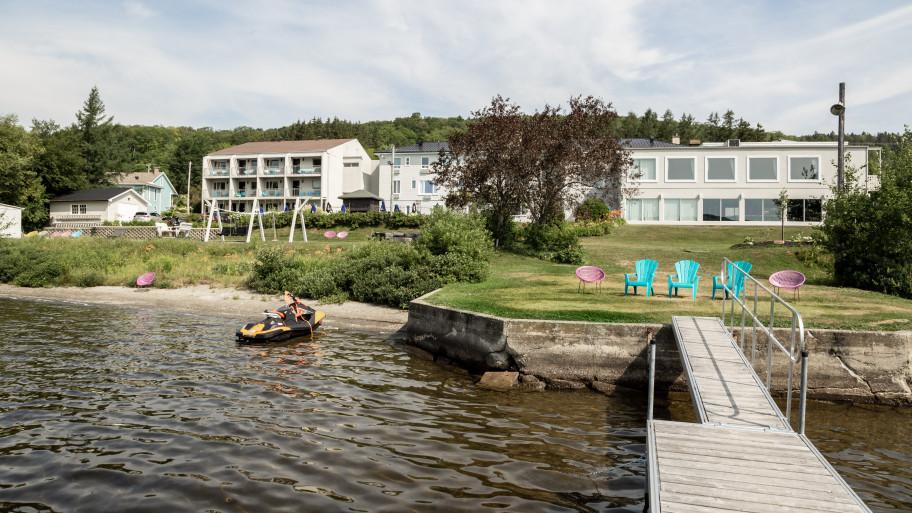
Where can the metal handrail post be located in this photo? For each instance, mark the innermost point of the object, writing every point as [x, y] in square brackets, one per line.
[802, 398]
[652, 369]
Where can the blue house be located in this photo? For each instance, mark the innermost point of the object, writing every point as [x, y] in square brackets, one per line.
[153, 185]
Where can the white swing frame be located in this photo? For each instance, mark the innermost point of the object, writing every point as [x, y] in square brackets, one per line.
[298, 212]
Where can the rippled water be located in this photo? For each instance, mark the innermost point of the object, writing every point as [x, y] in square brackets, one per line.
[109, 409]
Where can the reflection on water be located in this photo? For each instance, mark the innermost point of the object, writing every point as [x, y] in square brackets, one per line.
[105, 409]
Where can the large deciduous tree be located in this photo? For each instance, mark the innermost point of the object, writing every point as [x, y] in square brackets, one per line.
[19, 184]
[484, 165]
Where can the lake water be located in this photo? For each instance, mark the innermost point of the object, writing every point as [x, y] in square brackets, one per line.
[118, 409]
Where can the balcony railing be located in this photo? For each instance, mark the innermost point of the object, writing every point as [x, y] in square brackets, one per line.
[305, 192]
[246, 172]
[305, 170]
[219, 194]
[273, 171]
[271, 193]
[426, 171]
[243, 194]
[218, 172]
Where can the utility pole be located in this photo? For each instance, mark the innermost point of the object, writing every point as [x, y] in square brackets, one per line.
[189, 169]
[838, 109]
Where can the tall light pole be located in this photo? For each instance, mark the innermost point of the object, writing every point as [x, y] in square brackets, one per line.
[838, 109]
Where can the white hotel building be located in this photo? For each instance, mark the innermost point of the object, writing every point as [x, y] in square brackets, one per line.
[284, 173]
[735, 182]
[710, 183]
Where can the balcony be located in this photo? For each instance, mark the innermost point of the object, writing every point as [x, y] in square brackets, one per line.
[300, 193]
[219, 194]
[305, 170]
[243, 194]
[218, 172]
[426, 171]
[273, 171]
[246, 172]
[271, 193]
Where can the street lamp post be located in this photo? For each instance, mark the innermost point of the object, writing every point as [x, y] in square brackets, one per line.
[838, 109]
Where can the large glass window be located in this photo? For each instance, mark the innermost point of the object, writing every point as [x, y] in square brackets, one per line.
[425, 162]
[805, 210]
[681, 209]
[643, 209]
[721, 209]
[756, 209]
[720, 169]
[804, 168]
[645, 169]
[763, 169]
[396, 186]
[427, 187]
[682, 169]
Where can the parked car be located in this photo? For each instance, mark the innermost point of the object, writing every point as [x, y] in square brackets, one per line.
[142, 216]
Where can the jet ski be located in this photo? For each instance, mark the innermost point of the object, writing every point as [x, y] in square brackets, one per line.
[293, 319]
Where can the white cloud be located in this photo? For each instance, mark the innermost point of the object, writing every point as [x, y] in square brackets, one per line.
[231, 63]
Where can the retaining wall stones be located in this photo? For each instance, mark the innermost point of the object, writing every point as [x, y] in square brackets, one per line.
[843, 365]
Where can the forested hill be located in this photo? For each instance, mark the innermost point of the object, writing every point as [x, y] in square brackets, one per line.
[50, 159]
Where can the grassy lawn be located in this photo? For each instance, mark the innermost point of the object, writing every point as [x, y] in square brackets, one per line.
[523, 287]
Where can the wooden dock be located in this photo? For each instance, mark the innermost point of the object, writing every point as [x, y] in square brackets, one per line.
[742, 456]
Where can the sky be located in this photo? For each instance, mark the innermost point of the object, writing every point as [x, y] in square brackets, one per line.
[269, 63]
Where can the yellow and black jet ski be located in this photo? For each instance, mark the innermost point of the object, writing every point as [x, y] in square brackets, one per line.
[294, 319]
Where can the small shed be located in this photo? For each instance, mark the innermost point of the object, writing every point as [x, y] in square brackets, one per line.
[92, 207]
[361, 201]
[10, 221]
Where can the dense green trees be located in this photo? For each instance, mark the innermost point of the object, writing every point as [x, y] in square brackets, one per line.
[19, 184]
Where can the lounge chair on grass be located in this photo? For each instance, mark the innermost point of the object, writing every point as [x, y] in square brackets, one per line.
[645, 274]
[590, 274]
[734, 278]
[685, 277]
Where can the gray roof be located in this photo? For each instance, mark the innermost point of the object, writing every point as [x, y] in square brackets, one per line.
[646, 143]
[422, 147]
[360, 194]
[101, 194]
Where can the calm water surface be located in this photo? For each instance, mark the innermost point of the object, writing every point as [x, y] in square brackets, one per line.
[109, 409]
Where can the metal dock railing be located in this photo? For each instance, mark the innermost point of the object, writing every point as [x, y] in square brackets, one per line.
[743, 455]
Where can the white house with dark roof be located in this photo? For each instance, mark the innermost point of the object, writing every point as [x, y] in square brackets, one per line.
[153, 185]
[734, 182]
[406, 178]
[93, 207]
[282, 174]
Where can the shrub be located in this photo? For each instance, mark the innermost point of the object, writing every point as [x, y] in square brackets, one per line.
[592, 209]
[555, 242]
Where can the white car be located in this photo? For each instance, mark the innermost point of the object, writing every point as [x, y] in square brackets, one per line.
[142, 216]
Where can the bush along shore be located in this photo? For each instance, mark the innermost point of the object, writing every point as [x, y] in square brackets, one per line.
[452, 248]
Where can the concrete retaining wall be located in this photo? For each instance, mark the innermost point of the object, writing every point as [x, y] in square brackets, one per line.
[843, 365]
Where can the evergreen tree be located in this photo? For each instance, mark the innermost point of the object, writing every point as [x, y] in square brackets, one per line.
[95, 131]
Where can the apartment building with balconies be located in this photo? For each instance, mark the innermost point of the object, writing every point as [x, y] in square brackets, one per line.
[282, 174]
[406, 177]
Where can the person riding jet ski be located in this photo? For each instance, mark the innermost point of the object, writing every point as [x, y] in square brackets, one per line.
[294, 319]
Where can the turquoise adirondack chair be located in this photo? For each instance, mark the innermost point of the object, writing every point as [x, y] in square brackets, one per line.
[645, 273]
[685, 277]
[735, 280]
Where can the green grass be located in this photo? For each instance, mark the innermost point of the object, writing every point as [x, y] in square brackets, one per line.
[524, 287]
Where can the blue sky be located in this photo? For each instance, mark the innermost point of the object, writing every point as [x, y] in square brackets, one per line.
[268, 63]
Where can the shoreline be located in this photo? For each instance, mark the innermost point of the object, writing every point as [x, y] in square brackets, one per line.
[233, 302]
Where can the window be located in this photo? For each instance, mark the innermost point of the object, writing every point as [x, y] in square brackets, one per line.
[315, 185]
[413, 184]
[643, 209]
[219, 164]
[427, 187]
[680, 169]
[396, 187]
[397, 161]
[762, 169]
[804, 169]
[756, 209]
[351, 164]
[805, 210]
[425, 162]
[219, 186]
[274, 163]
[681, 209]
[720, 169]
[645, 169]
[77, 209]
[408, 161]
[721, 210]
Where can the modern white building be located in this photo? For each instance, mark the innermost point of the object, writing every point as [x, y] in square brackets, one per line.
[92, 207]
[283, 174]
[10, 221]
[734, 182]
[406, 178]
